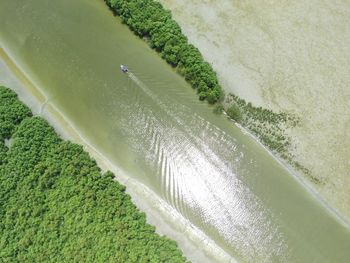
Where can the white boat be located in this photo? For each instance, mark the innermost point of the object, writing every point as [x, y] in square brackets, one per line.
[124, 68]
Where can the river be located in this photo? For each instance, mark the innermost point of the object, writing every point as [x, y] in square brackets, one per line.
[290, 56]
[150, 123]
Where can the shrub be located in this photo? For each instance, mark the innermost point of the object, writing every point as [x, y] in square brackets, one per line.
[234, 113]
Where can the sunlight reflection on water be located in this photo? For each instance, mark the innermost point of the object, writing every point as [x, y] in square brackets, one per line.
[192, 167]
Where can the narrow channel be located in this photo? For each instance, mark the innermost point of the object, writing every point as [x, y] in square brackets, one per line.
[150, 123]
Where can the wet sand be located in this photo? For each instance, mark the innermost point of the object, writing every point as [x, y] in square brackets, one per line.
[289, 56]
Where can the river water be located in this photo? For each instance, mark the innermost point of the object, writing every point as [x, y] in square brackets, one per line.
[291, 56]
[150, 123]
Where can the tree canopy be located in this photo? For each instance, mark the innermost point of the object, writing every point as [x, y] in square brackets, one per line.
[148, 19]
[56, 205]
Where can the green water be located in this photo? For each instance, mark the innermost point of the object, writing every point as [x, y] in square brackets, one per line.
[150, 123]
[291, 56]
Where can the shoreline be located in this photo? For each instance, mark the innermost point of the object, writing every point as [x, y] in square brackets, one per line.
[196, 247]
[296, 175]
[301, 179]
[257, 60]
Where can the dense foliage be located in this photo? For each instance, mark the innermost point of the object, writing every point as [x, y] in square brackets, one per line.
[148, 19]
[57, 206]
[12, 112]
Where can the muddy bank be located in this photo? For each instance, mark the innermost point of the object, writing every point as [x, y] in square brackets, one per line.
[289, 56]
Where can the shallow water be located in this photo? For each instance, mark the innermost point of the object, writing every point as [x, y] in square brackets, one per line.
[150, 123]
[292, 56]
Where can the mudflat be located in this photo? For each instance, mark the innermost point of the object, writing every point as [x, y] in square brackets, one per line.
[290, 56]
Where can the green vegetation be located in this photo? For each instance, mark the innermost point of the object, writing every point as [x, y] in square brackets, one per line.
[234, 113]
[265, 124]
[218, 109]
[270, 127]
[149, 20]
[57, 206]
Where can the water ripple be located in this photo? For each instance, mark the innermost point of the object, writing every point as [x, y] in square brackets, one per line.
[201, 181]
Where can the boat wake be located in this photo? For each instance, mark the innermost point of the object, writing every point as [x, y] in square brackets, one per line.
[190, 167]
[141, 85]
